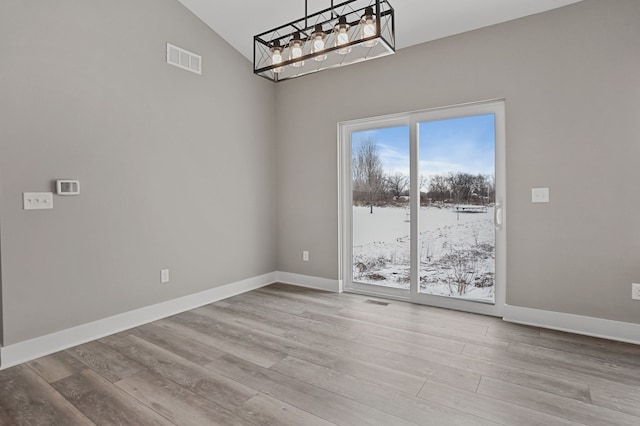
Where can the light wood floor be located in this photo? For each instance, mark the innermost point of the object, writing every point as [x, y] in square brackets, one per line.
[289, 356]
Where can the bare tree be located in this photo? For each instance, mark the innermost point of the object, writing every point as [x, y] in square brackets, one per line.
[462, 185]
[438, 187]
[397, 184]
[423, 183]
[368, 175]
[490, 181]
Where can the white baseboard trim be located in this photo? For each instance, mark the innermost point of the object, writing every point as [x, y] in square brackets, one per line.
[588, 326]
[40, 346]
[308, 281]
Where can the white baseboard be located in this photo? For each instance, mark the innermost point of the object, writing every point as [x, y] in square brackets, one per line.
[40, 346]
[588, 326]
[308, 281]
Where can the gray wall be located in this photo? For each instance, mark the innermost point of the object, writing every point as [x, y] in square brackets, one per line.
[572, 86]
[1, 317]
[177, 170]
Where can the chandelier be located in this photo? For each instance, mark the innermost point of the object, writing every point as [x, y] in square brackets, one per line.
[346, 33]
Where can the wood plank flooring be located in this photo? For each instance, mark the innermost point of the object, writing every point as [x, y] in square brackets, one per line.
[290, 356]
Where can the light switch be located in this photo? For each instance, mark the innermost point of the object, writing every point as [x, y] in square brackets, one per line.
[539, 195]
[37, 200]
[68, 187]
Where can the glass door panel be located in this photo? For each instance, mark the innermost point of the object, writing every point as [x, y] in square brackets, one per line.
[422, 207]
[457, 237]
[381, 219]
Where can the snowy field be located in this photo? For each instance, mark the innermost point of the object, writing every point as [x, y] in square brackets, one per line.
[457, 256]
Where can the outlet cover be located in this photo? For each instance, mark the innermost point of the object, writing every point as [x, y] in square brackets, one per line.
[635, 291]
[539, 195]
[37, 200]
[164, 276]
[305, 255]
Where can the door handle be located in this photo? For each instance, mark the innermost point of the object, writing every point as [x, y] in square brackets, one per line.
[497, 215]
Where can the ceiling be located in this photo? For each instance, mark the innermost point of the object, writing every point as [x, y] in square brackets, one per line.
[417, 21]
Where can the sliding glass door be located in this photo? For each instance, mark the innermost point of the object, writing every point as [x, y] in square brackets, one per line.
[422, 198]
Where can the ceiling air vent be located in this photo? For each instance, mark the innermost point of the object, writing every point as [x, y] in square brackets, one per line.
[184, 59]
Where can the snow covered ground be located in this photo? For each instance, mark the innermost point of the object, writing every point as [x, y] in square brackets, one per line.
[457, 256]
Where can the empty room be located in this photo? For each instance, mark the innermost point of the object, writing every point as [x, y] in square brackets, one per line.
[317, 212]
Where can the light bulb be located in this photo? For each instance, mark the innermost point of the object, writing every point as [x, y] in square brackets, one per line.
[369, 27]
[317, 38]
[276, 56]
[342, 35]
[295, 50]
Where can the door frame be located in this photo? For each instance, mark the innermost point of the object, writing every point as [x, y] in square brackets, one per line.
[345, 205]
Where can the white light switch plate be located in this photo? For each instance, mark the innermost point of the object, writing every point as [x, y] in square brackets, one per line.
[37, 200]
[635, 291]
[539, 195]
[164, 276]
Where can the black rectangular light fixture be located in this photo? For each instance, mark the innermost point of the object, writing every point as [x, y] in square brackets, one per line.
[346, 33]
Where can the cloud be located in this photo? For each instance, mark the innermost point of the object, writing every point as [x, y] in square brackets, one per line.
[394, 159]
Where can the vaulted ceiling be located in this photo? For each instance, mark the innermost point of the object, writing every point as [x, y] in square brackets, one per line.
[417, 21]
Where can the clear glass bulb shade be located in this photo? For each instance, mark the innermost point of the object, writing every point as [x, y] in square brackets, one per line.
[369, 29]
[295, 52]
[342, 38]
[276, 58]
[317, 43]
[318, 46]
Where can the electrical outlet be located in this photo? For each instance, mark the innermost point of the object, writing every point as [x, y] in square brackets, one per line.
[539, 195]
[635, 291]
[305, 255]
[37, 200]
[164, 276]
